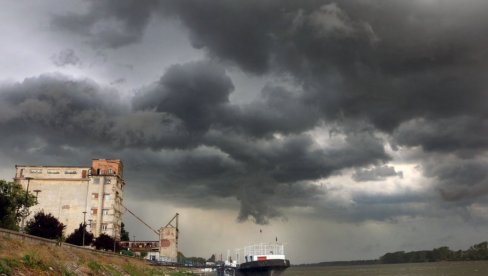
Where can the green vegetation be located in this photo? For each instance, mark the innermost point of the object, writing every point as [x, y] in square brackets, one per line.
[76, 237]
[14, 204]
[190, 260]
[45, 226]
[105, 242]
[94, 266]
[474, 253]
[7, 265]
[124, 235]
[31, 260]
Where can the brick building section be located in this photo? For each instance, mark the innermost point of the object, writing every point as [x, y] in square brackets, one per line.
[107, 167]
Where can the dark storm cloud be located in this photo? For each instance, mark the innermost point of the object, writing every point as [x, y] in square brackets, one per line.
[368, 60]
[192, 141]
[277, 111]
[465, 135]
[386, 62]
[458, 180]
[66, 57]
[57, 104]
[375, 174]
[108, 24]
[410, 70]
[196, 93]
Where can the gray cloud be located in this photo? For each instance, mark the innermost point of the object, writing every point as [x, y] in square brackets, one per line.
[196, 93]
[193, 142]
[108, 24]
[407, 70]
[410, 69]
[463, 135]
[66, 57]
[375, 174]
[459, 181]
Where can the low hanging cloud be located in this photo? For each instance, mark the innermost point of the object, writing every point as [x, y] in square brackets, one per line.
[66, 57]
[194, 138]
[108, 24]
[407, 72]
[375, 174]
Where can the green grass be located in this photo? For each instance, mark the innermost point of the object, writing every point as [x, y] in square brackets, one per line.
[131, 270]
[7, 265]
[31, 260]
[179, 273]
[68, 273]
[94, 266]
[112, 270]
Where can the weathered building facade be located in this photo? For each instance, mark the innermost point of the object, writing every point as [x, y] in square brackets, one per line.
[75, 194]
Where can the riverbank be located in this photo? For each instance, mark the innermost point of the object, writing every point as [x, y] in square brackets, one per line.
[25, 256]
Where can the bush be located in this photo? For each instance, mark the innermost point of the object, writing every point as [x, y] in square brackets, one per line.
[45, 226]
[76, 237]
[106, 242]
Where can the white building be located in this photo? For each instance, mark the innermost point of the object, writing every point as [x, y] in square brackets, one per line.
[76, 194]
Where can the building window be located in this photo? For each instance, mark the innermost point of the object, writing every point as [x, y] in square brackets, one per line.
[105, 211]
[70, 172]
[106, 197]
[104, 226]
[94, 195]
[96, 180]
[52, 171]
[108, 181]
[110, 171]
[36, 171]
[94, 211]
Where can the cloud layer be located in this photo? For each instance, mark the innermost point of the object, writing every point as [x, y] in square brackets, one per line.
[365, 82]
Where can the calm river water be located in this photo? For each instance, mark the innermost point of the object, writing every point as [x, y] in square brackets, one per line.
[427, 269]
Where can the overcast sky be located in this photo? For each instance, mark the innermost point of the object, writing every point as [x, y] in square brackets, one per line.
[347, 129]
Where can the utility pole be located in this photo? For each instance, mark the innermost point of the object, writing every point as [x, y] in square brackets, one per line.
[84, 226]
[37, 193]
[26, 209]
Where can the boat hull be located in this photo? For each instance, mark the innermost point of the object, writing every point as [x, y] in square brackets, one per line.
[263, 268]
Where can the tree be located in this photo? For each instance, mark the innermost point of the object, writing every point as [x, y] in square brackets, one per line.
[124, 235]
[106, 242]
[76, 237]
[45, 226]
[14, 204]
[211, 259]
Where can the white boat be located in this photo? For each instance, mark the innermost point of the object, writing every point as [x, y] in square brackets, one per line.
[262, 259]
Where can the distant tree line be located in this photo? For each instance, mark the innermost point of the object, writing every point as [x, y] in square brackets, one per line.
[474, 253]
[343, 263]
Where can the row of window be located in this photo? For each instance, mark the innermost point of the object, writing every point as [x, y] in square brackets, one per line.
[96, 180]
[104, 226]
[38, 171]
[105, 196]
[52, 171]
[94, 211]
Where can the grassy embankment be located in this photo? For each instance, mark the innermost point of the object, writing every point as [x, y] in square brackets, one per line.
[25, 257]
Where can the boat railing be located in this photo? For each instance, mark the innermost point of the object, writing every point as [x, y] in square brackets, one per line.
[259, 249]
[264, 249]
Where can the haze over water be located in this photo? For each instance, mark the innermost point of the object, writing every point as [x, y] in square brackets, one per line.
[477, 268]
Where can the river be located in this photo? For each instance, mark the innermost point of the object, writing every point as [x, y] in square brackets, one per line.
[418, 269]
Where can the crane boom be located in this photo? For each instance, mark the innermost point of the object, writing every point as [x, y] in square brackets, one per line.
[156, 232]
